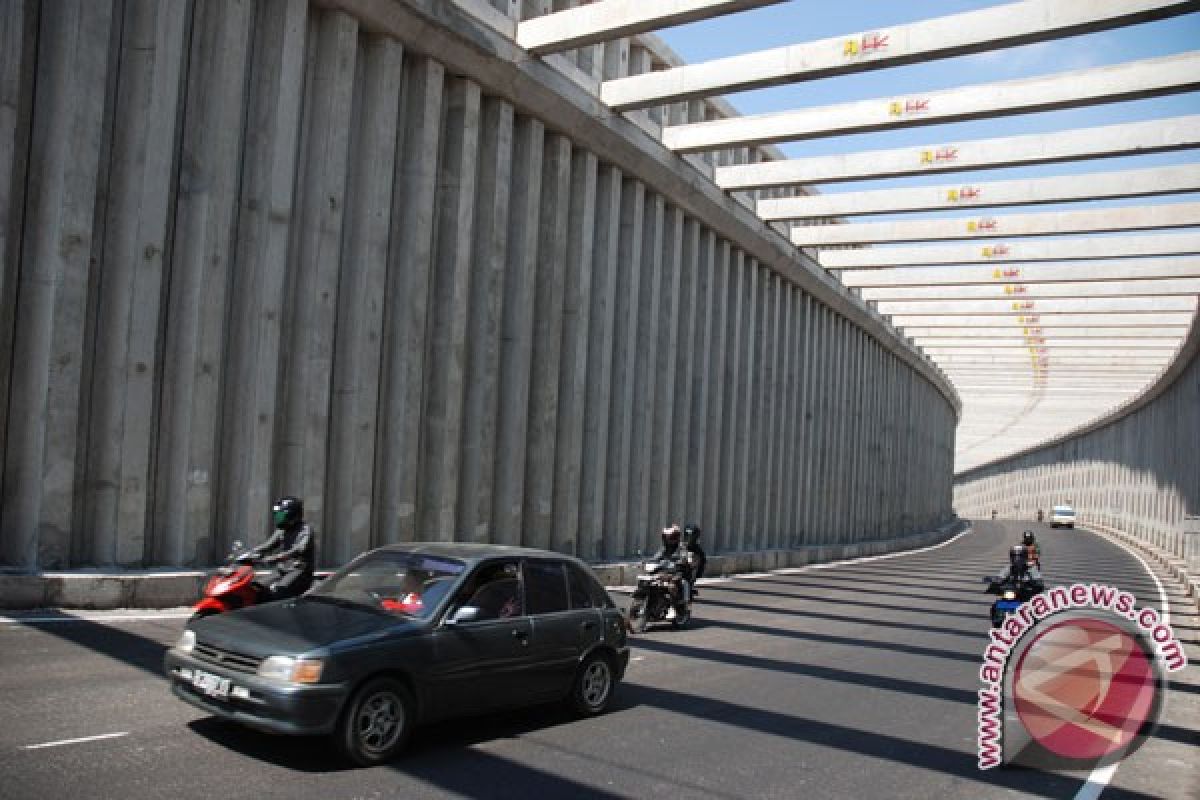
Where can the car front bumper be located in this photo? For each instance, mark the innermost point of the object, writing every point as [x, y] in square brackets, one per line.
[266, 705]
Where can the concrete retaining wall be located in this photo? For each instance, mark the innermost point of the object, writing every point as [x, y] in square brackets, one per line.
[110, 589]
[1136, 472]
[371, 253]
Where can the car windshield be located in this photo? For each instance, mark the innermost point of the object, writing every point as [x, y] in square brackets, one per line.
[412, 584]
[1063, 511]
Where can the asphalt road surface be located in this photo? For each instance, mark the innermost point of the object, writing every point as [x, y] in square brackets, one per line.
[857, 680]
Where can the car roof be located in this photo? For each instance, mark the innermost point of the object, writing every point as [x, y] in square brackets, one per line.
[1065, 506]
[472, 553]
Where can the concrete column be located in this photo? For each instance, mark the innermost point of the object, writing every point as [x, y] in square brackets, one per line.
[407, 299]
[575, 382]
[549, 293]
[199, 279]
[313, 280]
[616, 59]
[716, 452]
[629, 269]
[596, 535]
[516, 348]
[701, 392]
[733, 403]
[684, 423]
[37, 511]
[814, 419]
[445, 347]
[482, 372]
[797, 487]
[747, 403]
[646, 384]
[667, 461]
[354, 411]
[257, 301]
[18, 62]
[127, 314]
[769, 438]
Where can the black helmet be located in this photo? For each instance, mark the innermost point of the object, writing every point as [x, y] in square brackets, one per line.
[691, 534]
[1028, 538]
[287, 511]
[1016, 555]
[671, 536]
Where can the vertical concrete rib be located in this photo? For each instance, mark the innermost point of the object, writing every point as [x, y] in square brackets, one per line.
[814, 378]
[257, 301]
[793, 317]
[625, 344]
[354, 410]
[716, 451]
[574, 378]
[38, 505]
[516, 336]
[312, 305]
[124, 367]
[666, 463]
[765, 414]
[406, 300]
[18, 60]
[751, 388]
[646, 386]
[700, 387]
[200, 270]
[549, 293]
[445, 354]
[682, 461]
[733, 405]
[597, 537]
[482, 373]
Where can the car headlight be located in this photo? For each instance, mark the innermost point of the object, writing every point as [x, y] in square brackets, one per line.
[187, 641]
[291, 670]
[1010, 595]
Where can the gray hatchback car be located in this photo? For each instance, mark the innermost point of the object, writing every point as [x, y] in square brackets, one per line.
[408, 634]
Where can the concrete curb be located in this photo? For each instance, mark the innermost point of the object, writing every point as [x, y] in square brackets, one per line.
[1170, 563]
[106, 590]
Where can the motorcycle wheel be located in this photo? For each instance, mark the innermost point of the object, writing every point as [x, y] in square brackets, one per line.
[683, 614]
[376, 722]
[638, 616]
[207, 612]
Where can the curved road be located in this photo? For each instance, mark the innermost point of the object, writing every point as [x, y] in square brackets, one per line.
[856, 680]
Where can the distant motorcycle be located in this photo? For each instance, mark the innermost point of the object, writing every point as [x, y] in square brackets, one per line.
[1011, 592]
[231, 586]
[662, 594]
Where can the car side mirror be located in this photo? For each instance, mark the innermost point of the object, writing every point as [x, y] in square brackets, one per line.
[464, 614]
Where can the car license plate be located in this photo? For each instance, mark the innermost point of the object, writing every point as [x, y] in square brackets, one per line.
[211, 685]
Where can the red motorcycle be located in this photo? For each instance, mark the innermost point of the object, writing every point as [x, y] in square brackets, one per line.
[230, 587]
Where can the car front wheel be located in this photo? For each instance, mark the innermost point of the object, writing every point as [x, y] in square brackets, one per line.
[376, 723]
[593, 685]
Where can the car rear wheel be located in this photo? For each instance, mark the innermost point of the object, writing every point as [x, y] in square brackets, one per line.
[376, 723]
[593, 685]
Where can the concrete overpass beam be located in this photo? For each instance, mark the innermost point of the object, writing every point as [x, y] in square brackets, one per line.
[1074, 89]
[1132, 138]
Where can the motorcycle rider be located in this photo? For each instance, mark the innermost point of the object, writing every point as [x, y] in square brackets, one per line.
[290, 551]
[1033, 554]
[1019, 570]
[672, 539]
[691, 540]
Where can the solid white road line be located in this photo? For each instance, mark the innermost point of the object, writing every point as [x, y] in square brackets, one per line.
[75, 741]
[1100, 777]
[109, 619]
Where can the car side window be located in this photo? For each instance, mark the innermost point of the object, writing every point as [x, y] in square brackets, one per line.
[586, 591]
[496, 591]
[545, 587]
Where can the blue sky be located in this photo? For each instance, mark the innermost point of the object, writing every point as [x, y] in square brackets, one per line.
[803, 21]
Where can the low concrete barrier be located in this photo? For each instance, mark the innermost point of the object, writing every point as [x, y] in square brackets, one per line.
[96, 589]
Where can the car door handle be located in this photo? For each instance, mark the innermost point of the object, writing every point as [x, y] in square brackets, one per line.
[521, 636]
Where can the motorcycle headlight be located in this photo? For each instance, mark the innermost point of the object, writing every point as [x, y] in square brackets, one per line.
[187, 641]
[1010, 595]
[291, 670]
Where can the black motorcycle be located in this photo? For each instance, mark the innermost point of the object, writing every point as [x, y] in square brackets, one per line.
[662, 594]
[1011, 593]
